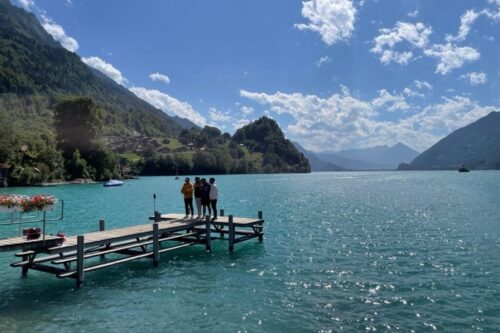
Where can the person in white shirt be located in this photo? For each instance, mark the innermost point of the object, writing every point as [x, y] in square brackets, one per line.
[214, 194]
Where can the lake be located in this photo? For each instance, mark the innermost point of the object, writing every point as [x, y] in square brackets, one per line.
[343, 251]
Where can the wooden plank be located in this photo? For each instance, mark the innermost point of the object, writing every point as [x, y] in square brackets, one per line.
[176, 247]
[239, 232]
[122, 260]
[22, 244]
[222, 220]
[145, 230]
[120, 248]
[107, 264]
[244, 238]
[36, 260]
[25, 253]
[47, 269]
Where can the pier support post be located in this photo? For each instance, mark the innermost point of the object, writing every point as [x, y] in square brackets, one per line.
[79, 260]
[24, 269]
[231, 233]
[156, 245]
[157, 217]
[208, 236]
[261, 229]
[221, 226]
[102, 227]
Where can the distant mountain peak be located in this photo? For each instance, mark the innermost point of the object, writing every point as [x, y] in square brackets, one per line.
[381, 157]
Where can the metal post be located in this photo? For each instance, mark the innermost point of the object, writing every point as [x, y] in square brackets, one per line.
[156, 245]
[231, 233]
[102, 225]
[261, 225]
[221, 227]
[25, 267]
[208, 237]
[79, 260]
[44, 223]
[157, 216]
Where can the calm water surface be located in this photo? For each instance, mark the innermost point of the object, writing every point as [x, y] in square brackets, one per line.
[370, 251]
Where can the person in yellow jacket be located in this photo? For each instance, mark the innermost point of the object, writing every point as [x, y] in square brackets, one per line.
[187, 191]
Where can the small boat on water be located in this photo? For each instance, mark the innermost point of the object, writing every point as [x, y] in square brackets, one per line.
[463, 169]
[113, 182]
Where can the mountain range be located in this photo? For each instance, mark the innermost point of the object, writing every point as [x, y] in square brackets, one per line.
[374, 158]
[475, 146]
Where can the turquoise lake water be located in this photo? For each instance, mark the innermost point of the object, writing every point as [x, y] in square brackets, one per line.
[345, 251]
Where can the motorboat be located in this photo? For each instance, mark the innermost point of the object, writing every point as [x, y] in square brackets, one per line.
[113, 182]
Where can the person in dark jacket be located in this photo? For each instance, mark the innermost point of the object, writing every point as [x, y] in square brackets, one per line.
[205, 196]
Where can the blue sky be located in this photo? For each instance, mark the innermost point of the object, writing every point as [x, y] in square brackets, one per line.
[335, 74]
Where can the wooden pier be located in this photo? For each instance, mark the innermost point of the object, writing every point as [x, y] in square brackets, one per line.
[77, 255]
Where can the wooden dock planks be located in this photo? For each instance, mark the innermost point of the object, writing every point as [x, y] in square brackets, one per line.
[116, 235]
[21, 243]
[221, 220]
[133, 242]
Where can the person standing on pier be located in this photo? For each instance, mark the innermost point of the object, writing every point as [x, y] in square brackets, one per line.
[187, 191]
[205, 196]
[214, 194]
[197, 195]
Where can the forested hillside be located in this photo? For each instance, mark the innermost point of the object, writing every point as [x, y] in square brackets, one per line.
[476, 146]
[43, 87]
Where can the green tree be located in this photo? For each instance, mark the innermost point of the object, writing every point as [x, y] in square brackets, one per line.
[78, 122]
[77, 166]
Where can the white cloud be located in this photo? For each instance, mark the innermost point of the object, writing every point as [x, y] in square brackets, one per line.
[451, 56]
[466, 21]
[342, 121]
[413, 14]
[392, 102]
[423, 84]
[323, 61]
[55, 30]
[27, 4]
[159, 77]
[414, 90]
[169, 104]
[106, 68]
[219, 116]
[247, 110]
[224, 119]
[412, 93]
[58, 33]
[475, 78]
[240, 123]
[417, 35]
[494, 15]
[332, 19]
